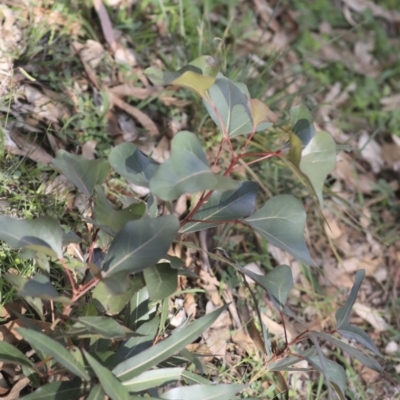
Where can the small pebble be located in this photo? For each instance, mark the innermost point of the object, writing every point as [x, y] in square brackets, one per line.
[391, 347]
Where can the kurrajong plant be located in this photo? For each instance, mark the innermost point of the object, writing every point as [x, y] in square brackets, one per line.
[108, 324]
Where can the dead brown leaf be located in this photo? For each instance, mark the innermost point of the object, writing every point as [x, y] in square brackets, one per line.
[362, 5]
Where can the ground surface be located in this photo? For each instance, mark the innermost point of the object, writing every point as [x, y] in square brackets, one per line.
[71, 81]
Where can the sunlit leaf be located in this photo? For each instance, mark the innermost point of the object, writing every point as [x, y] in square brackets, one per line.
[153, 379]
[343, 313]
[45, 344]
[135, 365]
[318, 159]
[140, 244]
[42, 234]
[111, 385]
[83, 173]
[281, 221]
[195, 82]
[60, 390]
[261, 115]
[222, 391]
[230, 205]
[105, 214]
[187, 171]
[132, 164]
[161, 281]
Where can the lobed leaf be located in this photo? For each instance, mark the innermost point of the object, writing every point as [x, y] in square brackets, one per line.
[83, 173]
[281, 221]
[140, 244]
[42, 234]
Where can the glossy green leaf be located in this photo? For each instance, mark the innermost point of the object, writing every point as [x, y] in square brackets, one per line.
[187, 171]
[39, 286]
[97, 393]
[111, 303]
[161, 281]
[302, 123]
[355, 333]
[12, 355]
[132, 164]
[221, 391]
[153, 379]
[225, 206]
[84, 174]
[281, 221]
[363, 358]
[105, 214]
[140, 244]
[343, 313]
[134, 366]
[45, 344]
[110, 384]
[65, 390]
[104, 326]
[333, 371]
[318, 159]
[42, 234]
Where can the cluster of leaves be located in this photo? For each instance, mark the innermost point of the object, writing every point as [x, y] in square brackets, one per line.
[109, 326]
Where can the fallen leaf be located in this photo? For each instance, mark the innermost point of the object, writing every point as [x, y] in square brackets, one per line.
[377, 11]
[372, 316]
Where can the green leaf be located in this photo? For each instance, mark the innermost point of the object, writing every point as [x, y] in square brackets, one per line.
[111, 303]
[139, 308]
[12, 355]
[284, 363]
[105, 214]
[318, 160]
[281, 221]
[161, 281]
[343, 313]
[334, 372]
[65, 390]
[104, 326]
[187, 171]
[231, 100]
[153, 379]
[49, 346]
[132, 164]
[42, 234]
[195, 82]
[355, 333]
[221, 391]
[97, 393]
[140, 244]
[302, 123]
[190, 377]
[134, 366]
[363, 358]
[111, 385]
[38, 286]
[84, 174]
[225, 206]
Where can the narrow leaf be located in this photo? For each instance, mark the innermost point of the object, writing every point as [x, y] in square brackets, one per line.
[65, 390]
[355, 333]
[42, 234]
[161, 281]
[111, 385]
[132, 164]
[153, 379]
[343, 313]
[84, 174]
[140, 244]
[225, 206]
[45, 344]
[281, 221]
[97, 393]
[134, 366]
[10, 354]
[221, 391]
[106, 327]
